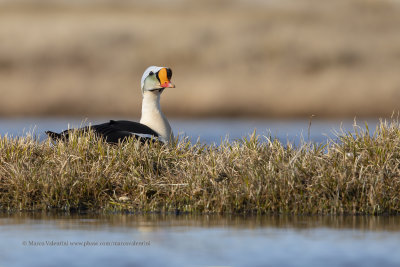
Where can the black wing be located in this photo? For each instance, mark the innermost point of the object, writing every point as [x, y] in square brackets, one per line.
[113, 131]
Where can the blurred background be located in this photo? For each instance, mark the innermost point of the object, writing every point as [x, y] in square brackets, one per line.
[239, 58]
[238, 65]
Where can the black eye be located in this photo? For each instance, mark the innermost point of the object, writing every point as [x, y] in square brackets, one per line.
[151, 73]
[169, 74]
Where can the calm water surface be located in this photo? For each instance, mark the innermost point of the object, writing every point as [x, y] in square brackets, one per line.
[207, 130]
[169, 240]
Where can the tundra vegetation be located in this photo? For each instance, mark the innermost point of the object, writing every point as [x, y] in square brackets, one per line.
[357, 172]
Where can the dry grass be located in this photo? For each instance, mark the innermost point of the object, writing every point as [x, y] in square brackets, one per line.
[357, 174]
[278, 58]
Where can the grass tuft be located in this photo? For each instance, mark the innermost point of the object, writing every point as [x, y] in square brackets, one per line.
[358, 173]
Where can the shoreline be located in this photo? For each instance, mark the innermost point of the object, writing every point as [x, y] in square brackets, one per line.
[357, 174]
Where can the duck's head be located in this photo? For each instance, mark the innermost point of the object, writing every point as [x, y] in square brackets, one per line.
[156, 79]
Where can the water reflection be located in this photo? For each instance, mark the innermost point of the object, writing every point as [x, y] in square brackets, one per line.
[43, 239]
[152, 222]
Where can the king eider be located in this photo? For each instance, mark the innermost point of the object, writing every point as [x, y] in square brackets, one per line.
[153, 123]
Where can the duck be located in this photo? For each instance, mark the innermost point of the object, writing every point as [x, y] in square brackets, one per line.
[153, 124]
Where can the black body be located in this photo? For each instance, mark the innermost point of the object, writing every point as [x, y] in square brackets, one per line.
[112, 131]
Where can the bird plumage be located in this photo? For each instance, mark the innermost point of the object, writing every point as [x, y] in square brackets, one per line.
[153, 123]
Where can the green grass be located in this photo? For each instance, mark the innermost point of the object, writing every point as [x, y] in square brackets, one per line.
[358, 173]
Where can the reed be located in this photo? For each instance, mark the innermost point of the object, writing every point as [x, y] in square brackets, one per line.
[357, 173]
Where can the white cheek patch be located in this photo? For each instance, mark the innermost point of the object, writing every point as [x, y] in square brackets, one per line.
[146, 73]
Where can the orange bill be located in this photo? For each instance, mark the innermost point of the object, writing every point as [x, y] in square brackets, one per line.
[164, 81]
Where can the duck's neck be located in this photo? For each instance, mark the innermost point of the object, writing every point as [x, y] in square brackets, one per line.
[153, 117]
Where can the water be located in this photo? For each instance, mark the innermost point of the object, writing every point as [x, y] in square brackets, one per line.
[169, 240]
[207, 130]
